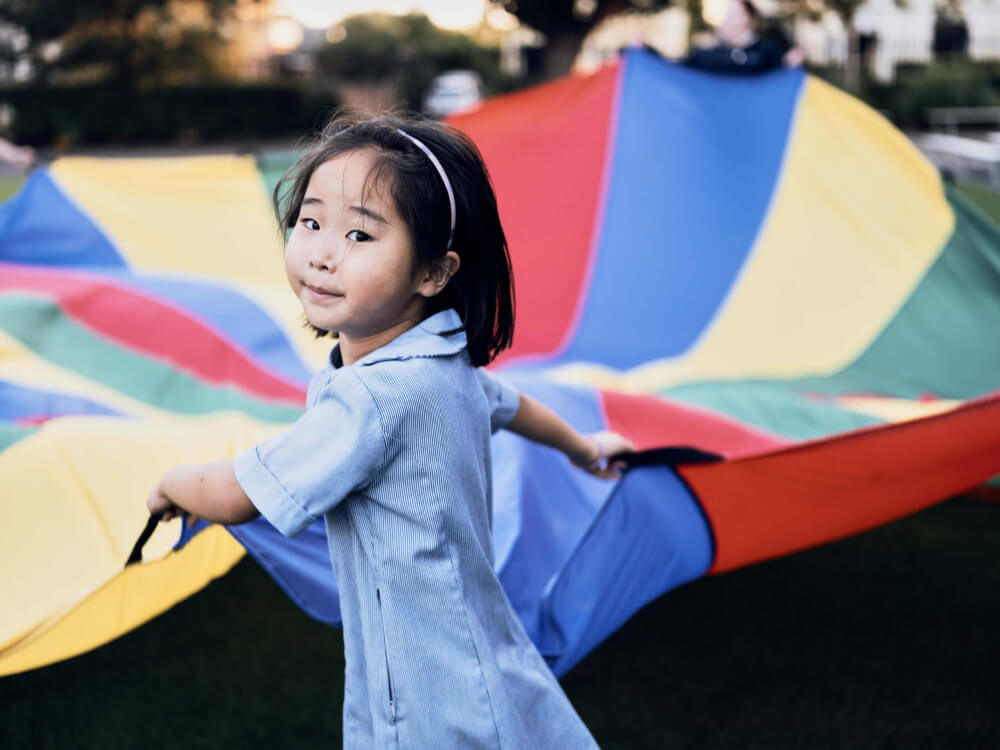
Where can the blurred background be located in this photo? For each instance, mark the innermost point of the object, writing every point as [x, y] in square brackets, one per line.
[242, 74]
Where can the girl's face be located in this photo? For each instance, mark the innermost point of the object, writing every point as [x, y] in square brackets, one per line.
[350, 257]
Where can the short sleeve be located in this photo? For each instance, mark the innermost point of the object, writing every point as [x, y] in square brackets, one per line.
[336, 447]
[502, 398]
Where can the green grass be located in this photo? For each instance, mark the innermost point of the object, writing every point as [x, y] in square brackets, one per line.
[9, 186]
[885, 640]
[986, 199]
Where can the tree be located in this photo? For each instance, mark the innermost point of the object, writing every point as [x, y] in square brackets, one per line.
[125, 42]
[407, 51]
[565, 23]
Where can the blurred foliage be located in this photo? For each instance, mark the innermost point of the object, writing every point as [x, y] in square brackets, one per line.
[949, 84]
[62, 116]
[555, 17]
[565, 23]
[132, 43]
[138, 71]
[814, 10]
[409, 51]
[918, 87]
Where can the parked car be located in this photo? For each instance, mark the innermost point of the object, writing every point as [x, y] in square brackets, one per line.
[452, 91]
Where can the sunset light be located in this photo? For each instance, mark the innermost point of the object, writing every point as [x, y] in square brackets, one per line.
[448, 14]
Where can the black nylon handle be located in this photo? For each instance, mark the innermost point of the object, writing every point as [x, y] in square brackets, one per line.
[147, 532]
[674, 456]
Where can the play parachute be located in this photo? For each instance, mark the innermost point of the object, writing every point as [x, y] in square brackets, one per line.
[759, 275]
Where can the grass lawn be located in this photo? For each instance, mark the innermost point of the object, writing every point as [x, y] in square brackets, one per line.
[9, 186]
[986, 199]
[884, 640]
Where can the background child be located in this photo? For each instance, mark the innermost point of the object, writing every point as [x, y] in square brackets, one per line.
[396, 247]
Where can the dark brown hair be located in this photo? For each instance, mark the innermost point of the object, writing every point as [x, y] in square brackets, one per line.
[482, 290]
[753, 11]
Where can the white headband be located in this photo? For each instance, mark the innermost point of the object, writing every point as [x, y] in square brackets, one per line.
[444, 179]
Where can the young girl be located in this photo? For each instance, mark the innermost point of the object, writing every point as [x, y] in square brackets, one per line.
[396, 248]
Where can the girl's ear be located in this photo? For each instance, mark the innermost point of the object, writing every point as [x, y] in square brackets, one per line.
[435, 276]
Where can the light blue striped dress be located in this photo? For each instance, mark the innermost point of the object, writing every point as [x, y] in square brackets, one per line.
[394, 452]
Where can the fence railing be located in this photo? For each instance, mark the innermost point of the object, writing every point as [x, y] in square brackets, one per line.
[965, 158]
[953, 119]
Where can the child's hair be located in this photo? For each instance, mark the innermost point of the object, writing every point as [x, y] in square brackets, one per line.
[482, 290]
[752, 11]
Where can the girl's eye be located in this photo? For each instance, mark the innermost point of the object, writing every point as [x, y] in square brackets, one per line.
[309, 224]
[356, 235]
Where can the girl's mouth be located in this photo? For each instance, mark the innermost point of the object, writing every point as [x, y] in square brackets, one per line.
[322, 293]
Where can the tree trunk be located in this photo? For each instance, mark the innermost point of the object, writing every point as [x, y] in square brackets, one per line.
[852, 64]
[560, 51]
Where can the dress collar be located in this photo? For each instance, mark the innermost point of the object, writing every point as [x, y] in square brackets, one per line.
[423, 340]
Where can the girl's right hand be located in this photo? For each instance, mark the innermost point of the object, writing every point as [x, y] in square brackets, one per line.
[160, 503]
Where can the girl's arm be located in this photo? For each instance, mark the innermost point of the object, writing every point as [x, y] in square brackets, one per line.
[539, 423]
[208, 491]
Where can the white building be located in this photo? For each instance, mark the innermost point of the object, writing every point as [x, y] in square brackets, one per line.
[904, 34]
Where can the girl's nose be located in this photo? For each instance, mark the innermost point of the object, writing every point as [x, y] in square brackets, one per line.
[324, 259]
[321, 263]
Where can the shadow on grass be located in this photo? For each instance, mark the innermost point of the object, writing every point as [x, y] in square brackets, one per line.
[884, 640]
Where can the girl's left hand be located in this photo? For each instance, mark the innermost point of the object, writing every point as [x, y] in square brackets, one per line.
[794, 57]
[601, 446]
